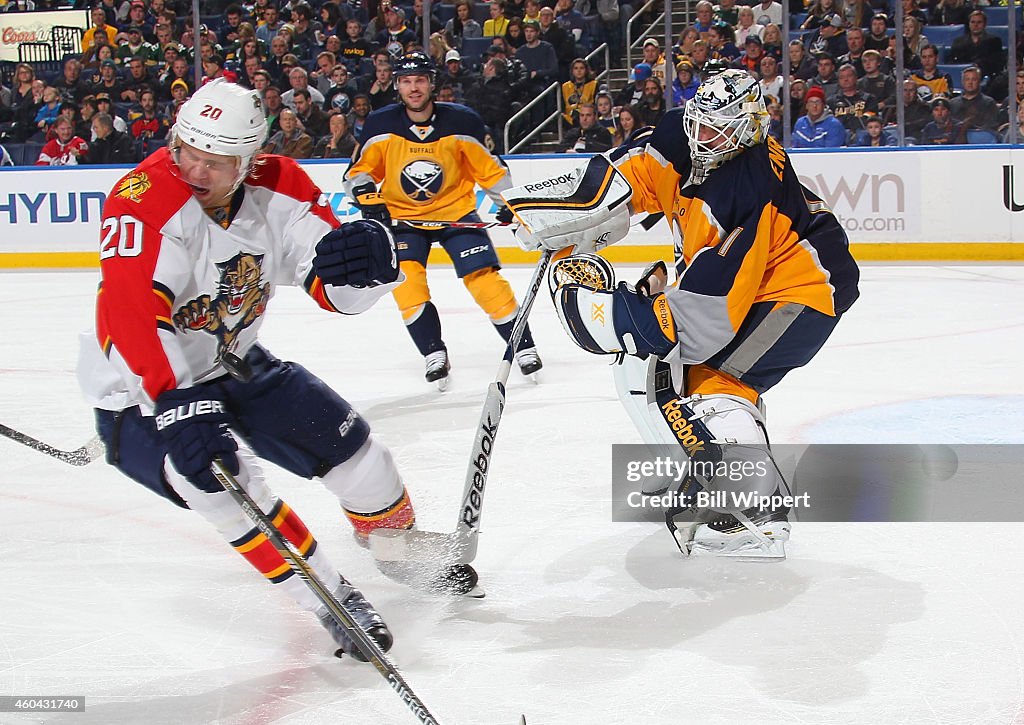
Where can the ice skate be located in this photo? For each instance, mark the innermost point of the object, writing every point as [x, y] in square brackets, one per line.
[529, 363]
[751, 535]
[363, 613]
[437, 369]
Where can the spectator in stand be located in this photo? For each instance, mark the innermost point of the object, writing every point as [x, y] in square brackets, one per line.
[48, 112]
[575, 25]
[357, 116]
[272, 107]
[940, 84]
[878, 38]
[339, 143]
[705, 13]
[747, 25]
[395, 34]
[977, 47]
[231, 28]
[830, 38]
[943, 129]
[722, 40]
[627, 123]
[797, 94]
[137, 47]
[581, 88]
[916, 113]
[972, 108]
[65, 148]
[308, 33]
[275, 61]
[538, 56]
[291, 140]
[913, 40]
[338, 98]
[456, 76]
[492, 98]
[590, 136]
[331, 20]
[652, 108]
[71, 85]
[559, 38]
[271, 24]
[137, 80]
[652, 53]
[753, 52]
[826, 77]
[105, 105]
[816, 12]
[179, 71]
[684, 46]
[605, 111]
[83, 127]
[801, 65]
[771, 81]
[855, 44]
[775, 120]
[137, 18]
[355, 47]
[462, 25]
[850, 104]
[108, 82]
[382, 90]
[320, 77]
[298, 79]
[109, 146]
[727, 12]
[213, 67]
[180, 94]
[310, 115]
[818, 129]
[99, 26]
[768, 12]
[685, 84]
[633, 92]
[436, 26]
[497, 24]
[880, 85]
[147, 122]
[950, 12]
[875, 135]
[514, 36]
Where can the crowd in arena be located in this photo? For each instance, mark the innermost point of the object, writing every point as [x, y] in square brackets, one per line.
[321, 68]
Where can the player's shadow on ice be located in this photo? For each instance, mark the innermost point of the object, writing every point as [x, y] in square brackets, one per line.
[808, 628]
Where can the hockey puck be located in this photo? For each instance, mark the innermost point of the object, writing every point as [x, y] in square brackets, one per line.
[237, 368]
[458, 579]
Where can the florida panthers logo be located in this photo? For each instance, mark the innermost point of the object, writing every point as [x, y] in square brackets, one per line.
[241, 299]
[422, 180]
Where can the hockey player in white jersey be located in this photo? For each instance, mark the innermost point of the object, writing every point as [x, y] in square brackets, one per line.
[193, 243]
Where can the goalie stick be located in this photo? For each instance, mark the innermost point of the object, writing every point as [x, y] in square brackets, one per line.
[443, 549]
[82, 456]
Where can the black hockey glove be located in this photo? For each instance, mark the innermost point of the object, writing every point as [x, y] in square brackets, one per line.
[358, 254]
[370, 203]
[194, 425]
[504, 215]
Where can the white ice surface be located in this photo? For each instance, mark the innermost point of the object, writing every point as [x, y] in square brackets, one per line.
[107, 591]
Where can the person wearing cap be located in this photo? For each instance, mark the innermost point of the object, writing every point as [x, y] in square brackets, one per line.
[455, 75]
[653, 57]
[878, 33]
[105, 105]
[108, 81]
[180, 92]
[395, 33]
[136, 47]
[686, 82]
[753, 52]
[818, 129]
[943, 129]
[829, 37]
[633, 92]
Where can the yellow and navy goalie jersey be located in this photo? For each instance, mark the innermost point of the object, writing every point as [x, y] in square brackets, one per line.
[750, 233]
[428, 170]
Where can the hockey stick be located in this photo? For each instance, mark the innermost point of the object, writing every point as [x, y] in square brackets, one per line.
[79, 457]
[461, 545]
[453, 225]
[367, 645]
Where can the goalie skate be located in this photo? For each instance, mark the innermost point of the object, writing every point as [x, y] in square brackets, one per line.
[750, 535]
[529, 363]
[437, 369]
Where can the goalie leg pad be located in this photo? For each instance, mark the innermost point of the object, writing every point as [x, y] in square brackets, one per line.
[492, 293]
[616, 321]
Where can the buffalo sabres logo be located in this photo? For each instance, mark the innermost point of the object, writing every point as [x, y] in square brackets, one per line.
[133, 186]
[241, 299]
[422, 180]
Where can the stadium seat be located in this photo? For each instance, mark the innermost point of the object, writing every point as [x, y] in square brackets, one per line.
[796, 20]
[942, 35]
[27, 153]
[473, 48]
[978, 136]
[954, 70]
[481, 13]
[999, 15]
[444, 12]
[1000, 31]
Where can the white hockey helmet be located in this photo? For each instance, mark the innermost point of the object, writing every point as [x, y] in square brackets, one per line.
[730, 104]
[223, 118]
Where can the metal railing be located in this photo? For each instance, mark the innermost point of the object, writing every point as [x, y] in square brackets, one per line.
[643, 34]
[556, 89]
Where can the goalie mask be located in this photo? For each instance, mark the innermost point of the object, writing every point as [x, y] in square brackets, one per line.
[726, 116]
[222, 118]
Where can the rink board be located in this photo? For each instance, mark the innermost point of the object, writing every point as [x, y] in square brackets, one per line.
[927, 204]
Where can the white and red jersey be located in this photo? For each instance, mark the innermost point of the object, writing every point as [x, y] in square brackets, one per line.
[55, 153]
[179, 289]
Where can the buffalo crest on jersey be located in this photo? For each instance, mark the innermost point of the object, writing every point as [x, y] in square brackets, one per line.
[241, 299]
[422, 180]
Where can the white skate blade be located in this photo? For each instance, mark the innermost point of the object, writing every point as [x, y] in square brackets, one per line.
[442, 383]
[756, 552]
[416, 545]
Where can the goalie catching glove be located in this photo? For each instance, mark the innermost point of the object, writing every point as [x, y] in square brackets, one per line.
[358, 254]
[611, 321]
[587, 208]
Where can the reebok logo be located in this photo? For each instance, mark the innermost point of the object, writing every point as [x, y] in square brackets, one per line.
[474, 499]
[564, 178]
[682, 427]
[184, 412]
